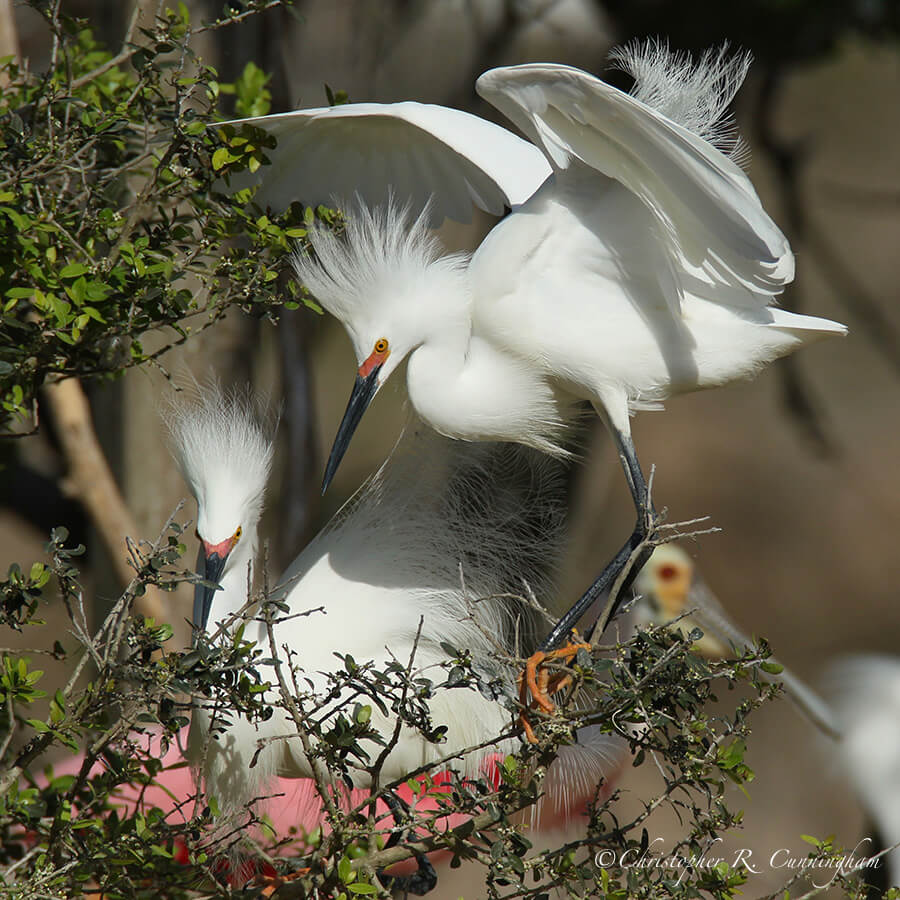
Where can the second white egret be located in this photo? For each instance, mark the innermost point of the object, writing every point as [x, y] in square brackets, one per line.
[429, 551]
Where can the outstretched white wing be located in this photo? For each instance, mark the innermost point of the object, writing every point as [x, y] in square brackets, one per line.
[719, 236]
[415, 151]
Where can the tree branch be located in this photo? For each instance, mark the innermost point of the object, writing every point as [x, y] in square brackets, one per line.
[90, 480]
[9, 36]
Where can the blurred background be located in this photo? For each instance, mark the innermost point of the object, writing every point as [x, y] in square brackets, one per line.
[798, 468]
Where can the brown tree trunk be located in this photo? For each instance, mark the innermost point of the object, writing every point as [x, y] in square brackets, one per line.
[9, 37]
[90, 480]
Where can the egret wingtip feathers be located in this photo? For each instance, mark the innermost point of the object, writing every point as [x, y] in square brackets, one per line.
[708, 213]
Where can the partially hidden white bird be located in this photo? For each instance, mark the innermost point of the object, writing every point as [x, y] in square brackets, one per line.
[637, 261]
[442, 533]
[669, 589]
[865, 693]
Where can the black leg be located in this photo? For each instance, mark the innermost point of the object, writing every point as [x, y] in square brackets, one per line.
[563, 628]
[640, 494]
[424, 879]
[646, 515]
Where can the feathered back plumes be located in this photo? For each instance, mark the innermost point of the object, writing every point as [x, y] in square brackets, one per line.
[490, 517]
[223, 443]
[381, 250]
[696, 95]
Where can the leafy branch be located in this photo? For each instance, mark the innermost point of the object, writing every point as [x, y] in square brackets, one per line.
[113, 221]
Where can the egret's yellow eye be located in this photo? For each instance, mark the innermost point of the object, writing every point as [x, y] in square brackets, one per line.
[237, 535]
[381, 345]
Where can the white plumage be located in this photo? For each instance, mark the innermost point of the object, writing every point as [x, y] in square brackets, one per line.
[410, 147]
[696, 94]
[436, 512]
[637, 261]
[224, 449]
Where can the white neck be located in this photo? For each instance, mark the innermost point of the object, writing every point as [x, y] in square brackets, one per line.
[470, 390]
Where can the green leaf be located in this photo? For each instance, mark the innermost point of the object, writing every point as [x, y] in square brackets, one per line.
[73, 270]
[221, 158]
[345, 870]
[76, 293]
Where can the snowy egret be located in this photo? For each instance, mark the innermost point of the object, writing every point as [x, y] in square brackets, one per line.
[669, 586]
[865, 693]
[437, 512]
[637, 261]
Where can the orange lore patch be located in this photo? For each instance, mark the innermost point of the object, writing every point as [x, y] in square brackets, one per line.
[222, 549]
[375, 359]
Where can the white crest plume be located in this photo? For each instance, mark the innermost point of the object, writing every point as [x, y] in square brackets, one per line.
[222, 441]
[696, 95]
[382, 251]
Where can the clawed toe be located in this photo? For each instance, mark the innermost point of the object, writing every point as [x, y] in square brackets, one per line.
[538, 681]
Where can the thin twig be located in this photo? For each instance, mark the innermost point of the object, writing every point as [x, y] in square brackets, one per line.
[323, 778]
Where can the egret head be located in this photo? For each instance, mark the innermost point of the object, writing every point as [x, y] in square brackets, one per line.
[389, 282]
[224, 450]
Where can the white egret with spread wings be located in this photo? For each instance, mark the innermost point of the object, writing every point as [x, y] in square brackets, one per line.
[633, 259]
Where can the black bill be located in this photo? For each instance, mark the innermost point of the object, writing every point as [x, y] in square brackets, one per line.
[364, 390]
[209, 568]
